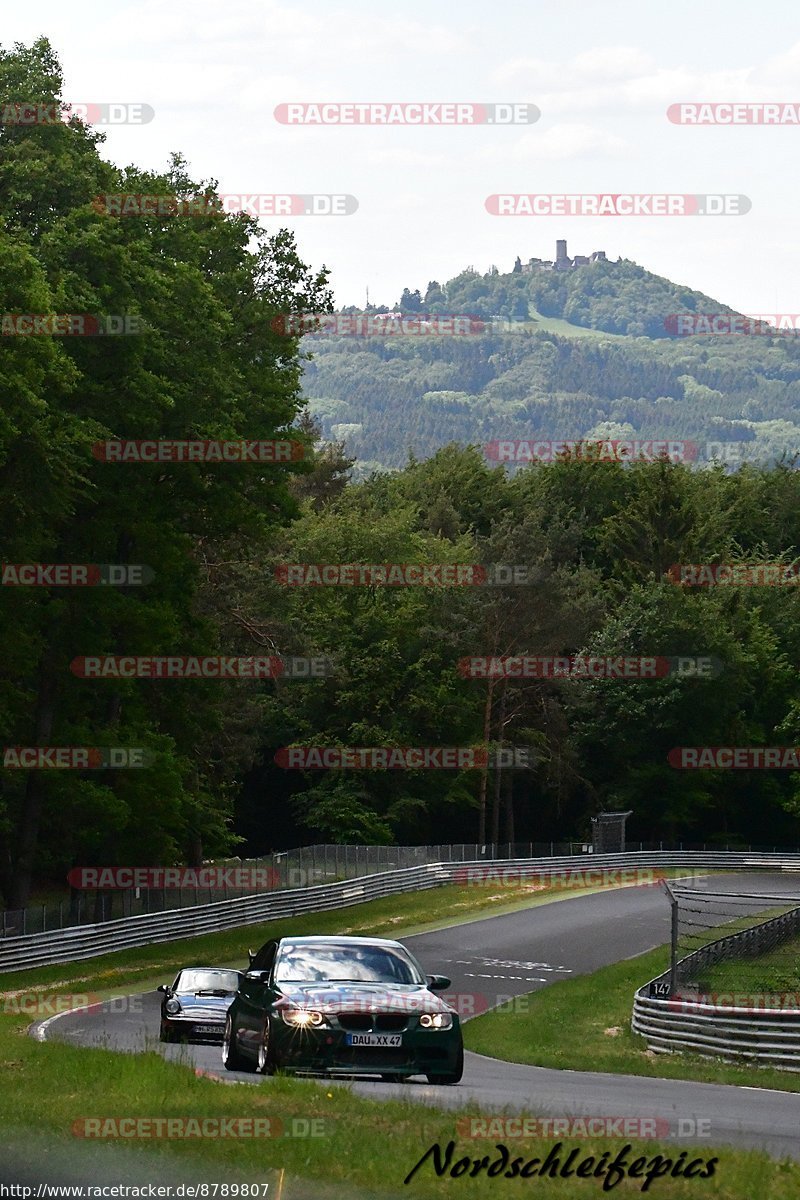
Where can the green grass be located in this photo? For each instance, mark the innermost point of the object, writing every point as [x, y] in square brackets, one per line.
[566, 329]
[584, 1024]
[775, 972]
[365, 1149]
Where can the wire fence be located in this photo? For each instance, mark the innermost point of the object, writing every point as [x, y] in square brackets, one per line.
[305, 866]
[737, 949]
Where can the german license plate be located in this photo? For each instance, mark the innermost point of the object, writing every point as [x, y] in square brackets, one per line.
[207, 1028]
[374, 1039]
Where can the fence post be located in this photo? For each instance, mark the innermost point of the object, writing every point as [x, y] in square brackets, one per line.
[673, 951]
[44, 917]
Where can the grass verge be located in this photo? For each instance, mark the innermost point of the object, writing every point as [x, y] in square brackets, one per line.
[775, 973]
[362, 1148]
[584, 1024]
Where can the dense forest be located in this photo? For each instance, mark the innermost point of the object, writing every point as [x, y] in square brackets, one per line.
[596, 542]
[585, 353]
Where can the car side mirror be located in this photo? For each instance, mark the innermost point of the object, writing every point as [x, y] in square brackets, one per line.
[251, 956]
[162, 987]
[258, 976]
[438, 983]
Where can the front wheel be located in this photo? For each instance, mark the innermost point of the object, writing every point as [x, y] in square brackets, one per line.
[451, 1076]
[232, 1060]
[266, 1057]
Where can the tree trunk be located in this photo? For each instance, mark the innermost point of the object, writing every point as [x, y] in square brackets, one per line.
[508, 791]
[28, 827]
[195, 850]
[498, 771]
[487, 728]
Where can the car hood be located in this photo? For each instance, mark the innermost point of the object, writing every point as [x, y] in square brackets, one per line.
[362, 997]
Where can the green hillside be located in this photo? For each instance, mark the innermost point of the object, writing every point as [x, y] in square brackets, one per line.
[588, 353]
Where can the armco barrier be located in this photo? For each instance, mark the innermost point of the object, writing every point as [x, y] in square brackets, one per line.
[88, 941]
[763, 1035]
[768, 1036]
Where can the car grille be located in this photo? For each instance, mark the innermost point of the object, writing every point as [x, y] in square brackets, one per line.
[373, 1022]
[396, 1056]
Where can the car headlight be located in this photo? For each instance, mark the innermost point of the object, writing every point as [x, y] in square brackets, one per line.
[442, 1020]
[172, 1007]
[303, 1018]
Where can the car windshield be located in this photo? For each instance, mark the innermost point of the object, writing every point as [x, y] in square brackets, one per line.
[335, 963]
[207, 981]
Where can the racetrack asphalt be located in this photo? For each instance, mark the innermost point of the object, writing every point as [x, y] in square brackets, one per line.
[494, 958]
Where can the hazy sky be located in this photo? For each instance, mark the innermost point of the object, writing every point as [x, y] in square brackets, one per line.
[602, 74]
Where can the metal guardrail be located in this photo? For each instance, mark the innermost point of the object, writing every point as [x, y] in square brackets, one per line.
[77, 943]
[764, 1035]
[288, 870]
[767, 1036]
[303, 866]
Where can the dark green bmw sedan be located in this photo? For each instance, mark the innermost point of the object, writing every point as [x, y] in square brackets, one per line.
[342, 1006]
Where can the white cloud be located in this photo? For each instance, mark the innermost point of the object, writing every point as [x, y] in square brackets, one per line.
[558, 143]
[615, 77]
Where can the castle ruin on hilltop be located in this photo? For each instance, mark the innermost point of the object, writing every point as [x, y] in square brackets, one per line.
[562, 262]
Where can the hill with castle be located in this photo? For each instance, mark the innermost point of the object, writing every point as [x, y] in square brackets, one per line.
[574, 348]
[561, 262]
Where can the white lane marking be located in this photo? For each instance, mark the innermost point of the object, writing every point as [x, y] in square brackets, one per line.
[39, 1028]
[525, 979]
[500, 962]
[526, 966]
